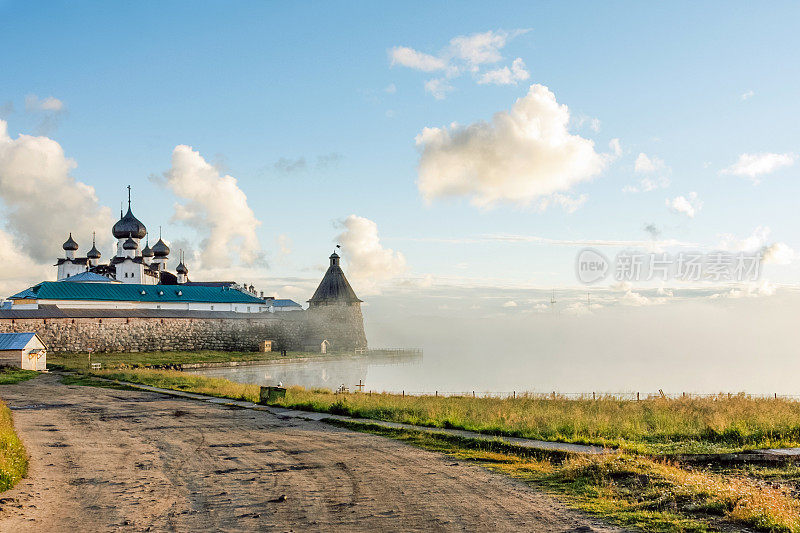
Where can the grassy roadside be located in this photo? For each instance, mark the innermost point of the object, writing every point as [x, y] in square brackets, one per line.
[182, 381]
[13, 458]
[80, 361]
[11, 375]
[653, 426]
[628, 490]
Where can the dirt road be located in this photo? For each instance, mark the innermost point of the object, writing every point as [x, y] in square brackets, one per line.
[137, 461]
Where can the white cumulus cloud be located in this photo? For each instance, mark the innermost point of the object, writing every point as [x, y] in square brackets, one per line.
[464, 53]
[368, 262]
[42, 201]
[775, 253]
[408, 57]
[523, 154]
[19, 269]
[778, 253]
[731, 243]
[438, 87]
[687, 205]
[649, 165]
[754, 166]
[480, 48]
[646, 164]
[215, 206]
[505, 75]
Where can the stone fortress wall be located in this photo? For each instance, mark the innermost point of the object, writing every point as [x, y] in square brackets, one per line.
[294, 330]
[341, 325]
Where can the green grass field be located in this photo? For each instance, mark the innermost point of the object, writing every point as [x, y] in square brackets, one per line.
[80, 361]
[10, 375]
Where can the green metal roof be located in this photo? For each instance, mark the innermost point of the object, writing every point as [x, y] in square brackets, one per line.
[131, 292]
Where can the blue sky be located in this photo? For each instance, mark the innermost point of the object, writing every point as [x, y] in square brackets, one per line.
[246, 85]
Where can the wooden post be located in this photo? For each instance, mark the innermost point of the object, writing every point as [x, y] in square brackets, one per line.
[473, 394]
[436, 394]
[593, 396]
[404, 394]
[637, 396]
[514, 394]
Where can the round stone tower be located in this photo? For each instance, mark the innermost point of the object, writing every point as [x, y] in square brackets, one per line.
[334, 312]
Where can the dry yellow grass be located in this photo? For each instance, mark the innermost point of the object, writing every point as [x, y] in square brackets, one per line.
[655, 425]
[764, 506]
[177, 380]
[685, 425]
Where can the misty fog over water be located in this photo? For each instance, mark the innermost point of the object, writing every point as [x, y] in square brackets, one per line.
[749, 344]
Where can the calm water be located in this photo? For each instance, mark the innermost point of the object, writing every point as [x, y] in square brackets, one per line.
[376, 372]
[750, 345]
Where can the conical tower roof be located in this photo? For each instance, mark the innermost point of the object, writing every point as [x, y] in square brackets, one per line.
[334, 287]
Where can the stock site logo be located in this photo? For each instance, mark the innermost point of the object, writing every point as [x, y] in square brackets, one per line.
[591, 266]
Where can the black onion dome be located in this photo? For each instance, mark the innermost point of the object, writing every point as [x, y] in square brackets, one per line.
[70, 245]
[129, 226]
[130, 244]
[160, 249]
[182, 269]
[94, 253]
[147, 252]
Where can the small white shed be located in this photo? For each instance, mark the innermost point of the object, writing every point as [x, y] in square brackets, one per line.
[23, 350]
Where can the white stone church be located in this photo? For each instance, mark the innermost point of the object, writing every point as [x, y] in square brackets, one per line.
[137, 278]
[131, 264]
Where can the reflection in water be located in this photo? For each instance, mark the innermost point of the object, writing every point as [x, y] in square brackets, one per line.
[328, 373]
